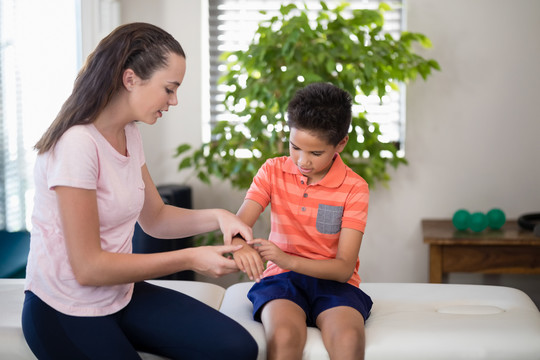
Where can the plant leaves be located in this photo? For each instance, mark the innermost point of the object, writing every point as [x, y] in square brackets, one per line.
[289, 51]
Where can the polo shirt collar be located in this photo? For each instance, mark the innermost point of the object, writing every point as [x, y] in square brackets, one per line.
[332, 179]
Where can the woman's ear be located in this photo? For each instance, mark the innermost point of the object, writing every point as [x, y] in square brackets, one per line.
[129, 79]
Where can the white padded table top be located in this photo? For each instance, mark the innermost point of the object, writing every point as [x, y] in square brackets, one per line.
[408, 321]
[447, 321]
[427, 321]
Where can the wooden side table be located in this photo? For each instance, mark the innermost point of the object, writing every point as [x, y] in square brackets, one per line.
[509, 250]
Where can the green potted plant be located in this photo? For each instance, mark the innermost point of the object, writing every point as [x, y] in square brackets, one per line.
[289, 51]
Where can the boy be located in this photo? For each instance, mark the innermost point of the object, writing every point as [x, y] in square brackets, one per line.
[319, 211]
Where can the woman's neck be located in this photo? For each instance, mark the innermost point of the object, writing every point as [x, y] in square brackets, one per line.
[111, 123]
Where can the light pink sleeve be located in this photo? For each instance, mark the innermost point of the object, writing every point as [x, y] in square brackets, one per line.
[74, 161]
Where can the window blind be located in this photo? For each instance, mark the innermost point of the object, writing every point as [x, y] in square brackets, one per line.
[38, 63]
[232, 25]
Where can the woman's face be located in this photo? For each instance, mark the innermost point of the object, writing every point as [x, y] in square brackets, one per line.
[150, 98]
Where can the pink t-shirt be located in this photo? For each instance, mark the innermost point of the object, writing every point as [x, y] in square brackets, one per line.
[84, 159]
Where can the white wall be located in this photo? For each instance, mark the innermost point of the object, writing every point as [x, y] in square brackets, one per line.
[472, 129]
[186, 20]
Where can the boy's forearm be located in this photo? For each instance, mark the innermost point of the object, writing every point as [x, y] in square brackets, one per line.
[341, 267]
[330, 269]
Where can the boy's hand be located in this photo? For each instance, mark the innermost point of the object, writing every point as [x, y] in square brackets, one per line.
[248, 260]
[268, 251]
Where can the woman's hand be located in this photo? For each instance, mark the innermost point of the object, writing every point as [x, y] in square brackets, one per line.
[249, 261]
[231, 225]
[270, 252]
[211, 260]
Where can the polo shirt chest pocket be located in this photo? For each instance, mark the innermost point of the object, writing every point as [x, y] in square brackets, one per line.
[329, 219]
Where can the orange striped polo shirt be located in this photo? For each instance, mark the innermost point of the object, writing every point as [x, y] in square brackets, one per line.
[306, 220]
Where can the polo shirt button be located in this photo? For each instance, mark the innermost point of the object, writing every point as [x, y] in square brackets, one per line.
[303, 209]
[302, 182]
[305, 194]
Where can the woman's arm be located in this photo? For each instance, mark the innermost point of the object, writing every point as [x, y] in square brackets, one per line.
[339, 269]
[169, 222]
[94, 267]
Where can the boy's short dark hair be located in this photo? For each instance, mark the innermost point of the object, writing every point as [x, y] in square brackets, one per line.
[322, 108]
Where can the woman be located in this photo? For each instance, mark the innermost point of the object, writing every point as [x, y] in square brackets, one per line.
[85, 295]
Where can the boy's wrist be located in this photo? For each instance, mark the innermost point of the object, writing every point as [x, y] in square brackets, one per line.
[238, 239]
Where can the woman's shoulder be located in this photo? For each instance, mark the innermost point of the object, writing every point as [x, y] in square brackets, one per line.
[78, 134]
[80, 129]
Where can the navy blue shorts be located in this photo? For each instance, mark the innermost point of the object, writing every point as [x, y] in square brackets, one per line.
[313, 295]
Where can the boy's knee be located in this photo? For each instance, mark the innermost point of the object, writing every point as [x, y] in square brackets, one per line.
[347, 341]
[352, 335]
[288, 337]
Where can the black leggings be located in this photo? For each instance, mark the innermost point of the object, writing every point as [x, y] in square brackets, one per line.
[157, 320]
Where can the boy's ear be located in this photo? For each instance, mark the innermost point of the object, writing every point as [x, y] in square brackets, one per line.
[129, 79]
[341, 145]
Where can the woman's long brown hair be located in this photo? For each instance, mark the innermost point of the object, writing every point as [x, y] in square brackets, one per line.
[142, 47]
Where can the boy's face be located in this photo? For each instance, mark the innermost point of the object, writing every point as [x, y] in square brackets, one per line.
[312, 155]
